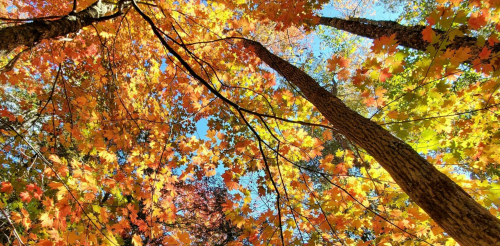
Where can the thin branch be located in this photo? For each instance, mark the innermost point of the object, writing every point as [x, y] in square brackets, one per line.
[10, 65]
[13, 227]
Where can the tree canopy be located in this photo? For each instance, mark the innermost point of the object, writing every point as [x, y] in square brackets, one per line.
[249, 123]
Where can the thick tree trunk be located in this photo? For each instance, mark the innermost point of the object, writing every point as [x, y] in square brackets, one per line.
[447, 203]
[407, 36]
[30, 33]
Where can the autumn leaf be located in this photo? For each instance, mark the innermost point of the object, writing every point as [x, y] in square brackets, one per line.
[45, 242]
[485, 53]
[385, 44]
[427, 34]
[137, 240]
[25, 196]
[337, 62]
[171, 127]
[477, 20]
[6, 187]
[184, 237]
[46, 220]
[384, 74]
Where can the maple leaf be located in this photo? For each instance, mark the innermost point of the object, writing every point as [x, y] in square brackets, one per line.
[427, 34]
[55, 185]
[477, 21]
[129, 114]
[46, 220]
[227, 176]
[25, 196]
[337, 62]
[210, 173]
[6, 187]
[231, 185]
[485, 53]
[45, 242]
[388, 44]
[55, 159]
[384, 74]
[239, 220]
[184, 237]
[137, 240]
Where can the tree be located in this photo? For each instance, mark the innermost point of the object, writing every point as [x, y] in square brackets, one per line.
[56, 26]
[407, 36]
[115, 105]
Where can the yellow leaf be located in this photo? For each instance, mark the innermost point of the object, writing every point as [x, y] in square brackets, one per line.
[450, 242]
[45, 219]
[339, 153]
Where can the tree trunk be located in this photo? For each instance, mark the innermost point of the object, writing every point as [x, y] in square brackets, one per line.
[447, 203]
[407, 36]
[30, 33]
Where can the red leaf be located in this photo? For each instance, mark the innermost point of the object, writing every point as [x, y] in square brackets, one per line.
[25, 196]
[384, 75]
[427, 34]
[485, 53]
[477, 21]
[6, 187]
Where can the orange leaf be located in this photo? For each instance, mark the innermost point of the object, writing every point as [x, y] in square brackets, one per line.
[427, 34]
[6, 187]
[477, 21]
[337, 62]
[136, 240]
[25, 196]
[45, 242]
[184, 237]
[485, 53]
[384, 75]
[389, 44]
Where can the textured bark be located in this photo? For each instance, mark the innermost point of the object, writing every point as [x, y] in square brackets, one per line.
[447, 203]
[407, 36]
[30, 33]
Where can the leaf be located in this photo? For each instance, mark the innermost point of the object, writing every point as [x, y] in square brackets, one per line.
[55, 185]
[428, 134]
[239, 221]
[6, 187]
[25, 196]
[45, 242]
[336, 62]
[55, 159]
[385, 44]
[485, 53]
[477, 21]
[427, 34]
[46, 220]
[184, 237]
[137, 240]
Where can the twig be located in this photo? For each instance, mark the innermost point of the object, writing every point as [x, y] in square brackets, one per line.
[13, 227]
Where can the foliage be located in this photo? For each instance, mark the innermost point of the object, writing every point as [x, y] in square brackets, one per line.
[99, 139]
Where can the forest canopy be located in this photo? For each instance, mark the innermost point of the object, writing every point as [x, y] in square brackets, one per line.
[161, 122]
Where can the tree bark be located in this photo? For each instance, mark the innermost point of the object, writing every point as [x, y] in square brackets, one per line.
[446, 203]
[30, 33]
[407, 36]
